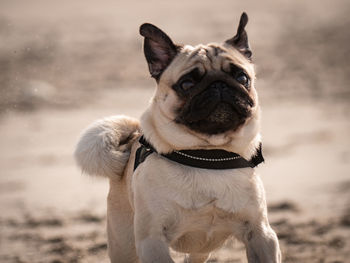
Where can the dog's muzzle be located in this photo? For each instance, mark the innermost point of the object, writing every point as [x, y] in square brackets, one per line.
[218, 108]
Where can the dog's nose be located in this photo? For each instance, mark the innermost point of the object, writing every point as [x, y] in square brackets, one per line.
[219, 85]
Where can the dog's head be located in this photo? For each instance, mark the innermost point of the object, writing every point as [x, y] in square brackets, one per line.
[204, 92]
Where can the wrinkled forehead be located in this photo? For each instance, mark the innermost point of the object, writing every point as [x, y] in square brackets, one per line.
[206, 58]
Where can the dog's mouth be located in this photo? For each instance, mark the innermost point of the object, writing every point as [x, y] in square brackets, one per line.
[217, 109]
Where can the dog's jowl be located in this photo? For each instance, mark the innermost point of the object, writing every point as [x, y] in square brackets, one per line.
[184, 176]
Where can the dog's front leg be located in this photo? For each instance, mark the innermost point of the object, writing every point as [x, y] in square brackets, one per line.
[152, 250]
[262, 244]
[149, 245]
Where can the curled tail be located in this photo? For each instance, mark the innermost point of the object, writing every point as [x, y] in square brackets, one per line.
[104, 147]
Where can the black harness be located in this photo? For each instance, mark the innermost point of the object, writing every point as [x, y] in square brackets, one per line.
[206, 159]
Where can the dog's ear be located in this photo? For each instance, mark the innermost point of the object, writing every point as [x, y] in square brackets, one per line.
[240, 40]
[158, 48]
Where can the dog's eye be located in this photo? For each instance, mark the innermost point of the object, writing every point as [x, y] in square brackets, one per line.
[187, 84]
[243, 79]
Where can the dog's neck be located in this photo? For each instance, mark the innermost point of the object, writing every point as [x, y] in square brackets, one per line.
[166, 135]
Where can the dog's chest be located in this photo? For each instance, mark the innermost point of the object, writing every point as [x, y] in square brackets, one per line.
[164, 183]
[196, 208]
[199, 230]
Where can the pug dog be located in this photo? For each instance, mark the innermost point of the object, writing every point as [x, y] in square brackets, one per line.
[184, 176]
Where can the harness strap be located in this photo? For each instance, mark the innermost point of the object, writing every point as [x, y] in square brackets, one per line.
[205, 159]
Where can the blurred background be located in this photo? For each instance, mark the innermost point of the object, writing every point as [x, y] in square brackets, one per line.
[64, 64]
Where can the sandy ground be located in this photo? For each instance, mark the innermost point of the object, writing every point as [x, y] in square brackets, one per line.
[63, 65]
